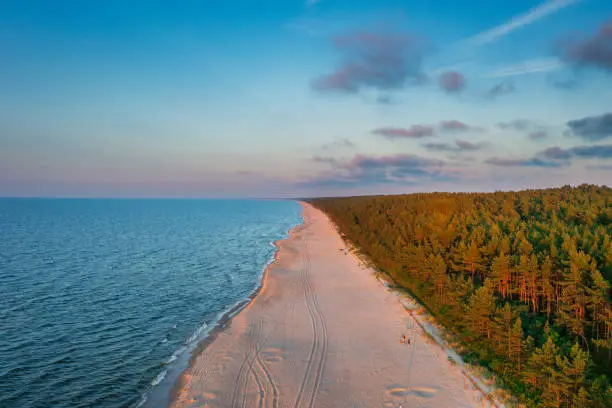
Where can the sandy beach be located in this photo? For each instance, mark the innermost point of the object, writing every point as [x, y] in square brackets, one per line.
[322, 332]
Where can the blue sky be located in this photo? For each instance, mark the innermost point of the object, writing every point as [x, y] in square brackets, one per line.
[284, 98]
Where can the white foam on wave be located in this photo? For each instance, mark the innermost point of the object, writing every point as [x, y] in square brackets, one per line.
[172, 358]
[142, 401]
[197, 333]
[159, 378]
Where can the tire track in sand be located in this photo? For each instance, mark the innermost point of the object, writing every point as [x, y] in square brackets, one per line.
[267, 375]
[242, 379]
[249, 366]
[318, 352]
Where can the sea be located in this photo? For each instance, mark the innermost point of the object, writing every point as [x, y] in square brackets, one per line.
[102, 301]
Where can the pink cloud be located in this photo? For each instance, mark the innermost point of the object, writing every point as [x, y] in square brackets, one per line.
[375, 60]
[452, 81]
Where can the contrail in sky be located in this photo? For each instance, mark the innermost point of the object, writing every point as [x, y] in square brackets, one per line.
[516, 22]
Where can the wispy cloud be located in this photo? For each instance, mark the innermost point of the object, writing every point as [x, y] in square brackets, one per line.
[556, 156]
[564, 83]
[532, 66]
[543, 10]
[538, 135]
[583, 151]
[338, 144]
[599, 167]
[502, 88]
[458, 126]
[533, 162]
[414, 132]
[370, 170]
[460, 146]
[421, 131]
[522, 125]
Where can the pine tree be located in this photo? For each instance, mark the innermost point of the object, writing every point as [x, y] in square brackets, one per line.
[573, 300]
[541, 373]
[502, 326]
[501, 274]
[480, 309]
[571, 377]
[472, 260]
[515, 343]
[548, 286]
[597, 302]
[533, 278]
[439, 278]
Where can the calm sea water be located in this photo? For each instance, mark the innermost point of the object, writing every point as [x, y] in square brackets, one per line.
[98, 298]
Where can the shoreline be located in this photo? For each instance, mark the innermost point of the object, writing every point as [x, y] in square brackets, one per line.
[166, 392]
[315, 352]
[226, 319]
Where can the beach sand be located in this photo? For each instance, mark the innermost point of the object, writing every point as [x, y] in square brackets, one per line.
[322, 332]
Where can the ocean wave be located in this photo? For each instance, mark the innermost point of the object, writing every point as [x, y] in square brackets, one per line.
[197, 333]
[126, 289]
[159, 378]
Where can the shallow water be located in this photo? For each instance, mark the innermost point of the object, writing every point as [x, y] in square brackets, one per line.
[99, 297]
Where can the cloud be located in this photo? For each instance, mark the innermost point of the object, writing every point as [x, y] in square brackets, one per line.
[594, 51]
[532, 66]
[556, 153]
[533, 162]
[373, 60]
[456, 126]
[384, 100]
[452, 81]
[538, 135]
[367, 170]
[565, 84]
[519, 125]
[586, 152]
[599, 167]
[460, 146]
[502, 88]
[313, 26]
[592, 128]
[363, 162]
[516, 22]
[414, 132]
[421, 131]
[339, 144]
[465, 145]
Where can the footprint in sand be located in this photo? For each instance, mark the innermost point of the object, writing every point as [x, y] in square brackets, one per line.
[424, 392]
[397, 390]
[209, 396]
[272, 355]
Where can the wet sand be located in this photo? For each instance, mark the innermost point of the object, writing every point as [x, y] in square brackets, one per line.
[322, 332]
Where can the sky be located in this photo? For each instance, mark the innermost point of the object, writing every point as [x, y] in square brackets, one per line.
[286, 98]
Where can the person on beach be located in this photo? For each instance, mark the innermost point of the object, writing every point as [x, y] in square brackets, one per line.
[404, 339]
